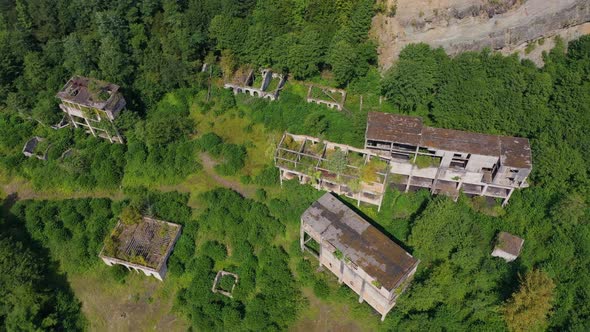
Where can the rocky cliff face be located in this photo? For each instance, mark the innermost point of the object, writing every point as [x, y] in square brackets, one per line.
[462, 25]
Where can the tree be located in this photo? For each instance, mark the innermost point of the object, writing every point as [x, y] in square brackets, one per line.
[529, 308]
[304, 56]
[343, 59]
[337, 162]
[112, 61]
[413, 79]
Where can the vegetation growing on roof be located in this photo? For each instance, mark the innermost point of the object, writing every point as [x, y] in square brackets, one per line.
[426, 161]
[156, 53]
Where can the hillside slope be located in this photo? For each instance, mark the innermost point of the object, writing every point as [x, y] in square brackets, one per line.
[462, 25]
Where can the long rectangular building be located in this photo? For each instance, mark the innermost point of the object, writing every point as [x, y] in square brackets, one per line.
[362, 257]
[448, 161]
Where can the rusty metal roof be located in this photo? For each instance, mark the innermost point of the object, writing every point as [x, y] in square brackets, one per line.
[509, 243]
[394, 128]
[359, 241]
[512, 151]
[89, 91]
[461, 141]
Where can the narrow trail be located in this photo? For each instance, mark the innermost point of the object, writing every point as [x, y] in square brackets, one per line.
[22, 190]
[208, 166]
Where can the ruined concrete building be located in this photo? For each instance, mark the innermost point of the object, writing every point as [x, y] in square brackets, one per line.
[322, 95]
[507, 246]
[36, 147]
[143, 246]
[93, 105]
[449, 161]
[265, 84]
[362, 257]
[357, 173]
[220, 283]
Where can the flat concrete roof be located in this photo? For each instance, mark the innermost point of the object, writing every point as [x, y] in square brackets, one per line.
[89, 91]
[509, 243]
[359, 241]
[512, 151]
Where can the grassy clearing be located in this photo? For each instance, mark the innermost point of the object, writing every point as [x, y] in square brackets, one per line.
[140, 304]
[333, 314]
[237, 129]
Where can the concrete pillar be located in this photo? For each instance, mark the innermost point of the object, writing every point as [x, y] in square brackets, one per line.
[361, 298]
[507, 197]
[485, 188]
[71, 118]
[341, 276]
[90, 127]
[302, 237]
[321, 252]
[383, 316]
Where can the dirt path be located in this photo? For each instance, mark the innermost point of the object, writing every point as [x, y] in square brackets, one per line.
[24, 190]
[208, 166]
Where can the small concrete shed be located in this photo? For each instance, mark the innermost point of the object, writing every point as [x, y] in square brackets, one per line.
[507, 246]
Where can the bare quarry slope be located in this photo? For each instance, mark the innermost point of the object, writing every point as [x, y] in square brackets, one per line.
[461, 25]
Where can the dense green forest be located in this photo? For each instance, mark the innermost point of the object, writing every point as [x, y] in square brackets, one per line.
[176, 115]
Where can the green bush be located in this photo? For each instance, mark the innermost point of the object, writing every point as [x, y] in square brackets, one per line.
[215, 250]
[260, 194]
[209, 142]
[233, 157]
[321, 289]
[118, 273]
[426, 161]
[269, 176]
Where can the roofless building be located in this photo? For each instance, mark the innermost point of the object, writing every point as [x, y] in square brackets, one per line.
[93, 105]
[360, 255]
[359, 174]
[448, 161]
[143, 246]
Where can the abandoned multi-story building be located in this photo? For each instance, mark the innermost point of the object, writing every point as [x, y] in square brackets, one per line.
[144, 246]
[449, 161]
[362, 257]
[357, 173]
[266, 85]
[93, 105]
